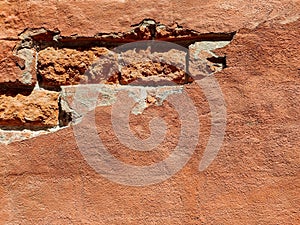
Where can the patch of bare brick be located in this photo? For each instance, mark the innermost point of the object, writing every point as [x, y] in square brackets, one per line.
[38, 110]
[44, 61]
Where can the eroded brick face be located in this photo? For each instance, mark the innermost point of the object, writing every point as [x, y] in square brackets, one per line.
[60, 67]
[38, 110]
[69, 66]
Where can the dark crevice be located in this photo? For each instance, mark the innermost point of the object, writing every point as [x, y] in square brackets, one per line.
[84, 43]
[22, 126]
[119, 78]
[64, 118]
[50, 88]
[218, 60]
[13, 89]
[9, 39]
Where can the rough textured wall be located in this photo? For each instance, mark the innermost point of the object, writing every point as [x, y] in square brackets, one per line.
[46, 46]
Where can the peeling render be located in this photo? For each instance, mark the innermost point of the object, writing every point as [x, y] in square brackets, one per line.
[107, 95]
[10, 136]
[64, 64]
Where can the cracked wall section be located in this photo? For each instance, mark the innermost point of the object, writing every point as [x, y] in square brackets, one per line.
[34, 70]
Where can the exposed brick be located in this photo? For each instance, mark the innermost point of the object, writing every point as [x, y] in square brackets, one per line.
[153, 67]
[98, 65]
[69, 66]
[38, 110]
[16, 67]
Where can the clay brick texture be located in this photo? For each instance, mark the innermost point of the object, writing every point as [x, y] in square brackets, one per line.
[149, 112]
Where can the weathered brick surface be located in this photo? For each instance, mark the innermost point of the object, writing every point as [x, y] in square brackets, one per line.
[137, 62]
[16, 68]
[69, 66]
[38, 110]
[99, 65]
